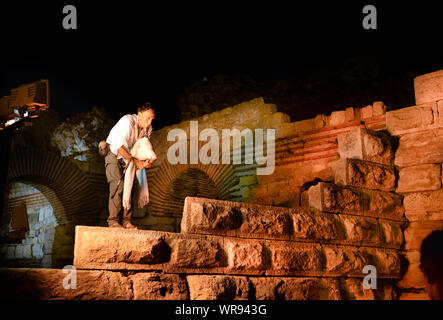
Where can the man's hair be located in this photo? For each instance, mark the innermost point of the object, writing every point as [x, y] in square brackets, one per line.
[145, 106]
[431, 252]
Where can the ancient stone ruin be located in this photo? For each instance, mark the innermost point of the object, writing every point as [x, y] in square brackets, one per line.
[362, 186]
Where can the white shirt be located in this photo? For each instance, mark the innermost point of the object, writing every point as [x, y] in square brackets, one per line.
[125, 133]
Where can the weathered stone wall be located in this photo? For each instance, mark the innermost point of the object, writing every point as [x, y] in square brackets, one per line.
[419, 159]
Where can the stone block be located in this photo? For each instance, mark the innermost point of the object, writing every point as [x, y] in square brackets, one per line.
[33, 218]
[10, 253]
[414, 277]
[383, 204]
[429, 87]
[37, 251]
[158, 286]
[120, 249]
[421, 215]
[47, 284]
[318, 227]
[321, 121]
[425, 177]
[354, 290]
[328, 197]
[386, 261]
[295, 258]
[392, 233]
[285, 288]
[337, 118]
[196, 253]
[358, 173]
[3, 251]
[246, 255]
[104, 245]
[47, 261]
[208, 216]
[420, 148]
[359, 143]
[304, 125]
[285, 130]
[342, 261]
[275, 119]
[281, 193]
[424, 205]
[351, 261]
[417, 231]
[414, 296]
[440, 113]
[218, 287]
[362, 230]
[366, 112]
[19, 252]
[411, 119]
[299, 172]
[350, 114]
[379, 108]
[27, 251]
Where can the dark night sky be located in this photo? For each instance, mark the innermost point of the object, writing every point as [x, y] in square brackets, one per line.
[125, 53]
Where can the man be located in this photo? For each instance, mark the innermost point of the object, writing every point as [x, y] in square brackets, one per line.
[122, 137]
[431, 264]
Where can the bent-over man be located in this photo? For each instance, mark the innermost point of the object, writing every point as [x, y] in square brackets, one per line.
[122, 137]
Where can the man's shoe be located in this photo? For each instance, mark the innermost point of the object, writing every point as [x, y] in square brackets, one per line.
[116, 225]
[130, 226]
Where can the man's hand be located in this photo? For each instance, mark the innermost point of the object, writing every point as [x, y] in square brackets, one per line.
[139, 164]
[147, 164]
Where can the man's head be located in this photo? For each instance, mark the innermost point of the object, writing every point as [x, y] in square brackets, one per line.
[145, 115]
[431, 263]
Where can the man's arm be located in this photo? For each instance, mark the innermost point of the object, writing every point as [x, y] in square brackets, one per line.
[125, 154]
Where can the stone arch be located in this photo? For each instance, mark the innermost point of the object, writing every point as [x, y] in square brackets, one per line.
[61, 181]
[161, 183]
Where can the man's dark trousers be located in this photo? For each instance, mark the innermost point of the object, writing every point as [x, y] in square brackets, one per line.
[113, 175]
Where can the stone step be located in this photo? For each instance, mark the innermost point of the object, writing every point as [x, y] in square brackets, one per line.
[244, 220]
[328, 197]
[364, 174]
[49, 284]
[101, 248]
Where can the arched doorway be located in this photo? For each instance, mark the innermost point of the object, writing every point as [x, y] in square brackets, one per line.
[192, 182]
[70, 192]
[169, 185]
[35, 249]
